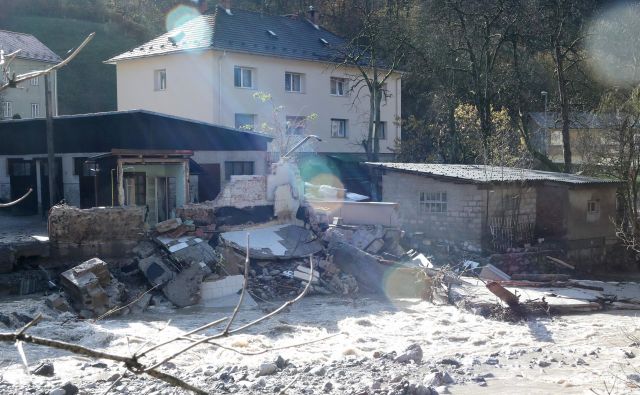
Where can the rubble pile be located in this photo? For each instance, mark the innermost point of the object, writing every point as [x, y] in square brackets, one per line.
[92, 289]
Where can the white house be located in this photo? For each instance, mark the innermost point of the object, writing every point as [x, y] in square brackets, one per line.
[211, 67]
[27, 100]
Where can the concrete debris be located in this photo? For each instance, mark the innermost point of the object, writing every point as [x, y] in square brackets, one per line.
[184, 289]
[363, 266]
[412, 353]
[92, 289]
[168, 225]
[156, 269]
[274, 242]
[285, 205]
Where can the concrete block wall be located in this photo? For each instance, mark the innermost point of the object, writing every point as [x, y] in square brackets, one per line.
[499, 193]
[462, 223]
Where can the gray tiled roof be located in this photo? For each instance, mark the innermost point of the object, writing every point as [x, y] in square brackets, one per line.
[577, 120]
[29, 46]
[481, 174]
[244, 31]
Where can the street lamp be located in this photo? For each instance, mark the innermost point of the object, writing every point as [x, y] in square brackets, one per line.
[546, 129]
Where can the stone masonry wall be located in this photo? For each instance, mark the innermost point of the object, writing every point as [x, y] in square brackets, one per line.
[461, 224]
[243, 191]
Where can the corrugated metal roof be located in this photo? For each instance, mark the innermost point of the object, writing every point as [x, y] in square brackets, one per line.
[30, 47]
[481, 174]
[244, 31]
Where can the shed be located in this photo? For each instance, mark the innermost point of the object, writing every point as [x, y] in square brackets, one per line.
[489, 208]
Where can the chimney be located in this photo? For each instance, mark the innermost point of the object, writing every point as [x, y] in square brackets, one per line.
[226, 5]
[314, 16]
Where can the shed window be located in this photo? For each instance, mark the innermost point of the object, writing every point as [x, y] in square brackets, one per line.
[237, 168]
[593, 210]
[433, 202]
[245, 121]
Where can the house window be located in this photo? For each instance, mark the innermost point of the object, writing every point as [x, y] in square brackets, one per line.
[381, 131]
[433, 202]
[593, 210]
[556, 137]
[242, 77]
[237, 168]
[35, 81]
[296, 125]
[339, 128]
[35, 110]
[19, 168]
[245, 121]
[160, 77]
[7, 109]
[293, 82]
[338, 86]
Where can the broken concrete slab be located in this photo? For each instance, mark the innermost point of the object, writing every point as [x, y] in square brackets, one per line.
[274, 242]
[222, 286]
[490, 272]
[184, 289]
[144, 249]
[91, 288]
[363, 266]
[201, 251]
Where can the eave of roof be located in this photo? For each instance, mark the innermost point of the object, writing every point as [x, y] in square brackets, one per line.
[526, 176]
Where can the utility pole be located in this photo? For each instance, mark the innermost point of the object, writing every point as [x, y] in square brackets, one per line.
[51, 162]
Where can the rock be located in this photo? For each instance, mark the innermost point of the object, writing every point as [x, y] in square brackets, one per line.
[581, 361]
[492, 361]
[44, 369]
[281, 363]
[412, 353]
[437, 379]
[267, 369]
[57, 302]
[422, 390]
[328, 386]
[544, 364]
[70, 389]
[450, 361]
[184, 289]
[259, 384]
[318, 371]
[58, 391]
[443, 389]
[376, 385]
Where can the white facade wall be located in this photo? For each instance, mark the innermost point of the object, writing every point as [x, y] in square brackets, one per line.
[26, 94]
[198, 81]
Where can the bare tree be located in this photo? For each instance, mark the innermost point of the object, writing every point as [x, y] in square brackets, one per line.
[376, 51]
[11, 80]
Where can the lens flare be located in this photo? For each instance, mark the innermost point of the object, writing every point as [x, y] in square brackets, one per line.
[612, 43]
[325, 182]
[179, 15]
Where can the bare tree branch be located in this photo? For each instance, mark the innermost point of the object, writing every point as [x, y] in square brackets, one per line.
[2, 205]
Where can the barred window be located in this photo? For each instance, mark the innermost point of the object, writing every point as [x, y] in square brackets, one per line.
[433, 202]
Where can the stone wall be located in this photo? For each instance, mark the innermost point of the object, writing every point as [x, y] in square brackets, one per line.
[98, 231]
[461, 224]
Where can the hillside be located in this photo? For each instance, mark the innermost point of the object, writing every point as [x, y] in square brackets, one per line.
[86, 84]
